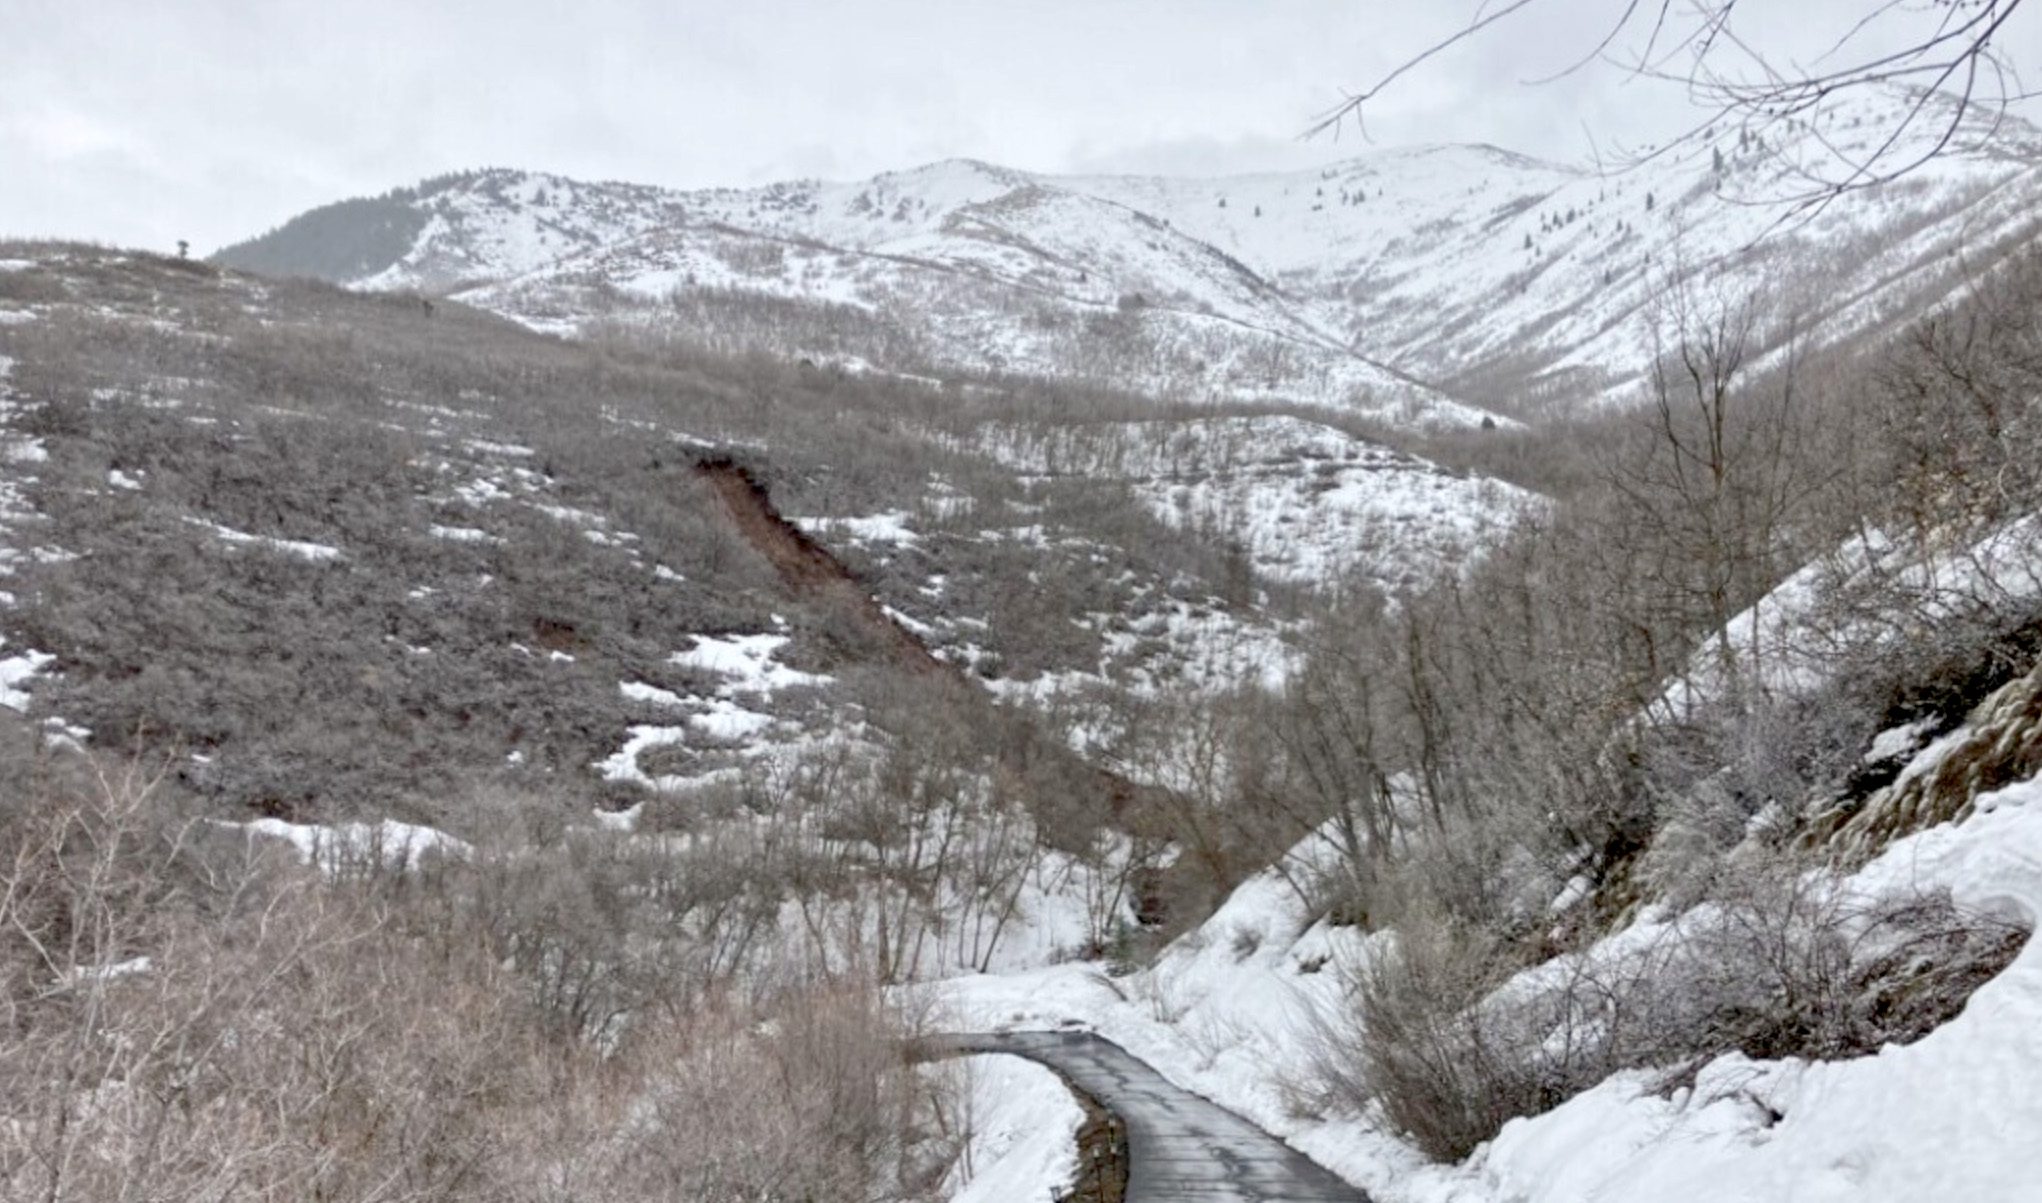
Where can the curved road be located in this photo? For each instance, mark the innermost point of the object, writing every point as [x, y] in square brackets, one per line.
[1180, 1146]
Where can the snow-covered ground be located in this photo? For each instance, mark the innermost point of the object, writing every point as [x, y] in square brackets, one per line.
[1233, 1009]
[730, 728]
[316, 553]
[1308, 503]
[17, 668]
[1952, 1116]
[1871, 592]
[1023, 1127]
[1230, 1011]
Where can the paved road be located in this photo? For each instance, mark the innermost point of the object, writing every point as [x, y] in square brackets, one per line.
[1180, 1146]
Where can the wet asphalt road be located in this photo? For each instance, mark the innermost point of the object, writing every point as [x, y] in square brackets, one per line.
[1180, 1146]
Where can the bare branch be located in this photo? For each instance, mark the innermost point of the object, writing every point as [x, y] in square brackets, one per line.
[1953, 55]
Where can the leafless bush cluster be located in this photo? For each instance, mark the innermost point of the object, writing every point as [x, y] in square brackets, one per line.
[1778, 964]
[1597, 713]
[1605, 673]
[185, 1016]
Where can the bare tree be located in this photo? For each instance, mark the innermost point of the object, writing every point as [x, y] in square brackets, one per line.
[1716, 477]
[1947, 48]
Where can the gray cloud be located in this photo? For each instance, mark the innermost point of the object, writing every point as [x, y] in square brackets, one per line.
[139, 121]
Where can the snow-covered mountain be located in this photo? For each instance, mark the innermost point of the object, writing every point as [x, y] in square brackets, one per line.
[1424, 286]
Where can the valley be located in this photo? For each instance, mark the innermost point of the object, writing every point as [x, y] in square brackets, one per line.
[1440, 678]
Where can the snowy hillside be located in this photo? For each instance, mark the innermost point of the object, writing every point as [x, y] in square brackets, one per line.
[981, 270]
[1451, 260]
[1305, 502]
[1043, 707]
[1418, 286]
[1235, 1010]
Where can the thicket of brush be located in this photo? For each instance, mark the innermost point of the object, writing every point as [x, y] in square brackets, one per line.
[188, 1013]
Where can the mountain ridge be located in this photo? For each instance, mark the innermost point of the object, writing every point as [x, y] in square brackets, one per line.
[1437, 286]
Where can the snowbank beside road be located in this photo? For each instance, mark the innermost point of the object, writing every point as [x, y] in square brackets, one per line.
[1024, 1132]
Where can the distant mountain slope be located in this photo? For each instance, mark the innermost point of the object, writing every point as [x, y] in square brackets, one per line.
[1419, 286]
[452, 230]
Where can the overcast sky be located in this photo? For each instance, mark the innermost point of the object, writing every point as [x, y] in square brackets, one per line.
[144, 121]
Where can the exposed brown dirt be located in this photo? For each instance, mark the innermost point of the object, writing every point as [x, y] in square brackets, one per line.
[2004, 745]
[809, 570]
[1102, 1154]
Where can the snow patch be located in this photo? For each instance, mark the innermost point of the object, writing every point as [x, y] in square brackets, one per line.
[463, 534]
[335, 849]
[313, 552]
[889, 527]
[747, 663]
[16, 671]
[639, 691]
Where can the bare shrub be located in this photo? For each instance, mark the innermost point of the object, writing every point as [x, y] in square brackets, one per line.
[186, 1024]
[1421, 1050]
[1781, 962]
[810, 1099]
[186, 1013]
[1795, 967]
